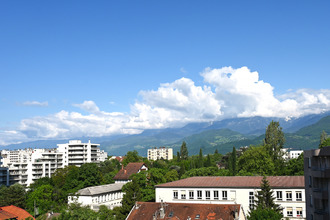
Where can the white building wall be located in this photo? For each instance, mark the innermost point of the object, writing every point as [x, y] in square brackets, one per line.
[27, 165]
[158, 153]
[234, 196]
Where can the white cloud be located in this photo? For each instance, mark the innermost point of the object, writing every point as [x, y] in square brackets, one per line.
[35, 103]
[227, 92]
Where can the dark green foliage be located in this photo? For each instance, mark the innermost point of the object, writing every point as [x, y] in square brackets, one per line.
[183, 151]
[13, 195]
[265, 198]
[200, 159]
[232, 162]
[265, 214]
[295, 166]
[89, 175]
[43, 198]
[324, 140]
[274, 139]
[132, 194]
[204, 171]
[257, 161]
[132, 156]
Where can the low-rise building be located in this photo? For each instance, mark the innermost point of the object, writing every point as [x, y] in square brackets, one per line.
[317, 183]
[160, 153]
[160, 210]
[123, 176]
[289, 192]
[109, 195]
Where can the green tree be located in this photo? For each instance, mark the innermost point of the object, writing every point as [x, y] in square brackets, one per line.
[132, 194]
[265, 198]
[131, 157]
[265, 214]
[324, 140]
[256, 160]
[89, 175]
[13, 195]
[200, 158]
[43, 198]
[295, 166]
[183, 151]
[232, 162]
[274, 140]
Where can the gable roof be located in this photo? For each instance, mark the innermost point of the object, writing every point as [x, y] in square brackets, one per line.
[18, 212]
[146, 210]
[6, 215]
[96, 190]
[236, 182]
[126, 172]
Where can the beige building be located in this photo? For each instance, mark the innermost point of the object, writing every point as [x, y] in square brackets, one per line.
[160, 153]
[317, 183]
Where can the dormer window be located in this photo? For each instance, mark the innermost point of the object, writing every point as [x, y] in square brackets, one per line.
[198, 216]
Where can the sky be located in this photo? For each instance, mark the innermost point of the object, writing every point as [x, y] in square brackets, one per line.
[98, 68]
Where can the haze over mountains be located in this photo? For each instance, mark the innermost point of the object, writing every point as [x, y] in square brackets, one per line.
[300, 133]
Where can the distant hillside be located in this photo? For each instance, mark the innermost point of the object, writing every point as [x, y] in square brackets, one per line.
[300, 133]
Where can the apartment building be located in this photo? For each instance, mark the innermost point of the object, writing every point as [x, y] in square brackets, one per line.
[160, 153]
[289, 192]
[317, 183]
[27, 165]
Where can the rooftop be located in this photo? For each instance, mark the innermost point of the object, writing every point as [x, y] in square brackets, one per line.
[96, 190]
[237, 182]
[147, 210]
[126, 172]
[14, 211]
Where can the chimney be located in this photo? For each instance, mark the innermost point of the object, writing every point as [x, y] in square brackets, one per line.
[125, 171]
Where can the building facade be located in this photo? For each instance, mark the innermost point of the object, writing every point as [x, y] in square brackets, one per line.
[109, 195]
[289, 192]
[160, 153]
[317, 183]
[27, 165]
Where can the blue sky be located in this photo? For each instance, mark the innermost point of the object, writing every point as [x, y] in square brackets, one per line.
[69, 67]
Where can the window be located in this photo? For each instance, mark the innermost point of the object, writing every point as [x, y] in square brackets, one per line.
[224, 195]
[183, 194]
[207, 194]
[175, 195]
[299, 196]
[288, 196]
[279, 195]
[216, 194]
[251, 200]
[310, 181]
[309, 162]
[191, 194]
[199, 194]
[289, 212]
[299, 212]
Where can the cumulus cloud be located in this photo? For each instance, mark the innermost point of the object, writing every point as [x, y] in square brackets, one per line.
[35, 103]
[227, 92]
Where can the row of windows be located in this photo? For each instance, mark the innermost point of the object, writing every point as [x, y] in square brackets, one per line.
[299, 212]
[288, 194]
[191, 195]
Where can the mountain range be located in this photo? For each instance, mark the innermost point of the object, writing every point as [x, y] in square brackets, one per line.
[300, 133]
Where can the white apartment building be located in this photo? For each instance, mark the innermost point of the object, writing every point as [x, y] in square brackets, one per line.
[289, 192]
[160, 153]
[27, 165]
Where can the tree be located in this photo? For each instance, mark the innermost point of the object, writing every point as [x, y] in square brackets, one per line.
[295, 166]
[274, 140]
[256, 160]
[131, 157]
[43, 198]
[232, 162]
[132, 194]
[183, 151]
[265, 198]
[265, 207]
[200, 158]
[324, 140]
[13, 195]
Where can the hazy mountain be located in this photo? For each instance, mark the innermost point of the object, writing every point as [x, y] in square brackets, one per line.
[301, 133]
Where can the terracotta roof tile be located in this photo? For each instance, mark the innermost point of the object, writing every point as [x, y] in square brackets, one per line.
[6, 215]
[237, 182]
[20, 213]
[146, 211]
[130, 169]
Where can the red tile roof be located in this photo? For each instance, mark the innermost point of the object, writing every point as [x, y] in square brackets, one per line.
[130, 169]
[18, 212]
[237, 182]
[146, 211]
[6, 215]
